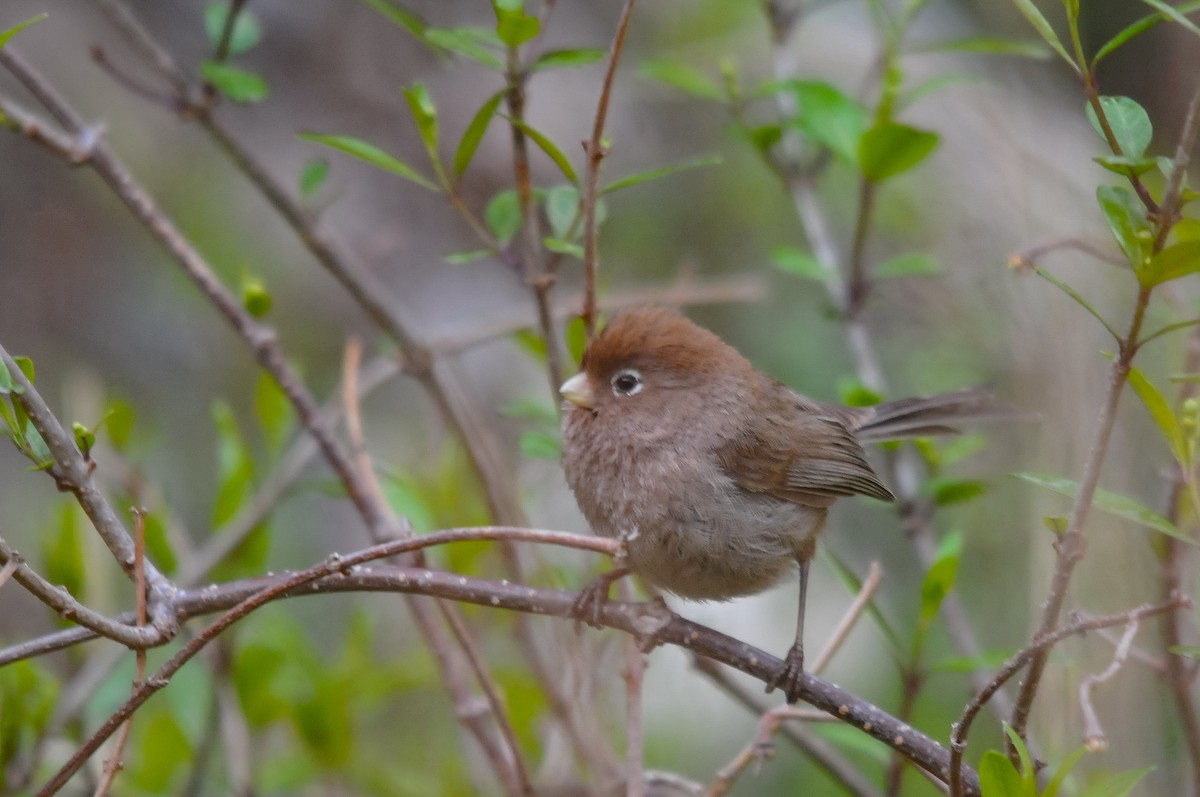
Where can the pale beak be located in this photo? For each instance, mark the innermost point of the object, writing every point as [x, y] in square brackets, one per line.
[577, 391]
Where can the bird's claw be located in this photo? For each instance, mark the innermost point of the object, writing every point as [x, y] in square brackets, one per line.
[588, 607]
[790, 675]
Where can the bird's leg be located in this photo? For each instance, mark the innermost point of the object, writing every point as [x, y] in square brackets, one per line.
[590, 603]
[790, 674]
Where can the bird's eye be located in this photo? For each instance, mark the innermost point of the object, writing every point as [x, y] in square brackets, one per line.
[627, 382]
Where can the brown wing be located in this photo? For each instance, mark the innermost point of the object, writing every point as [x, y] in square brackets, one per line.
[810, 458]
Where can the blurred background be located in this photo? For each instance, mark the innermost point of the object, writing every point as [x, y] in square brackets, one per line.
[336, 694]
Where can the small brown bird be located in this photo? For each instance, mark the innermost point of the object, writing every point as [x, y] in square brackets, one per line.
[718, 477]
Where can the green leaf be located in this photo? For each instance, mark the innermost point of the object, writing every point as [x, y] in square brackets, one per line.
[1177, 260]
[827, 116]
[1127, 220]
[158, 547]
[562, 209]
[1190, 651]
[559, 246]
[236, 85]
[1162, 415]
[312, 177]
[1062, 771]
[939, 579]
[681, 77]
[372, 155]
[540, 445]
[1129, 122]
[273, 411]
[26, 366]
[246, 33]
[566, 59]
[515, 27]
[235, 468]
[531, 343]
[503, 215]
[63, 553]
[1141, 26]
[28, 694]
[85, 439]
[988, 45]
[853, 393]
[1116, 785]
[662, 171]
[1028, 772]
[471, 137]
[13, 31]
[1111, 503]
[1043, 28]
[400, 15]
[998, 777]
[945, 490]
[1125, 166]
[1078, 297]
[576, 336]
[547, 146]
[161, 750]
[531, 409]
[798, 263]
[913, 265]
[407, 498]
[6, 382]
[890, 148]
[424, 113]
[1174, 14]
[119, 418]
[464, 42]
[458, 258]
[255, 297]
[984, 661]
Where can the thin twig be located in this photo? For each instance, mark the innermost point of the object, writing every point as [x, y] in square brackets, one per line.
[1093, 731]
[961, 729]
[861, 601]
[113, 765]
[9, 568]
[635, 667]
[594, 150]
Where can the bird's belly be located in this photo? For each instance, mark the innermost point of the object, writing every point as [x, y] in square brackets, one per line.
[718, 552]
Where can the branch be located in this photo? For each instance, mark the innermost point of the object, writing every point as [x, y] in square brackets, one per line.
[958, 736]
[595, 151]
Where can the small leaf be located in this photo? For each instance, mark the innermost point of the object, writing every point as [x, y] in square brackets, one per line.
[1137, 28]
[890, 148]
[236, 85]
[1160, 411]
[464, 42]
[681, 77]
[273, 411]
[914, 265]
[530, 409]
[246, 33]
[471, 137]
[234, 465]
[401, 16]
[576, 335]
[798, 262]
[998, 777]
[1044, 30]
[566, 59]
[1127, 220]
[1078, 297]
[255, 297]
[945, 490]
[1111, 503]
[547, 146]
[662, 171]
[540, 445]
[1125, 166]
[503, 215]
[531, 343]
[459, 258]
[424, 113]
[85, 439]
[956, 449]
[939, 579]
[312, 177]
[372, 155]
[559, 246]
[853, 393]
[827, 116]
[984, 661]
[1174, 14]
[562, 209]
[1177, 260]
[1190, 651]
[1116, 785]
[516, 27]
[13, 31]
[1062, 771]
[1057, 524]
[26, 366]
[6, 381]
[1028, 772]
[63, 552]
[1129, 122]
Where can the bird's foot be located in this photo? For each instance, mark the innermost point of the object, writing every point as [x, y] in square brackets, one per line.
[589, 606]
[790, 675]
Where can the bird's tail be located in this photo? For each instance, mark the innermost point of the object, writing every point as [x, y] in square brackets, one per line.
[921, 416]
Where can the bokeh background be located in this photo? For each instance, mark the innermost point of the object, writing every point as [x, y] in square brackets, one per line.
[107, 317]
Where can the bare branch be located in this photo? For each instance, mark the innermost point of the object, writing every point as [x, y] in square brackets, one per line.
[1093, 731]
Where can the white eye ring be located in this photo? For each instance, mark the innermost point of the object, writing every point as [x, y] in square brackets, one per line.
[627, 382]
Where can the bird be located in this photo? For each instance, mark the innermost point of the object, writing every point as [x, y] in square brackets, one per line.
[716, 477]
